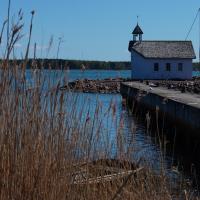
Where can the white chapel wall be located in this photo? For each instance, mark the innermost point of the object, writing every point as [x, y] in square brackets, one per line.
[144, 68]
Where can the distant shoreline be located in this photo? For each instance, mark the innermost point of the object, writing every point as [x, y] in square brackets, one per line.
[78, 64]
[82, 64]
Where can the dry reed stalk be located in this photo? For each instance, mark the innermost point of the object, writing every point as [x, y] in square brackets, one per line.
[45, 139]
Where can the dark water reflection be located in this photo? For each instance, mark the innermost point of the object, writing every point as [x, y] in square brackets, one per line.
[179, 151]
[140, 146]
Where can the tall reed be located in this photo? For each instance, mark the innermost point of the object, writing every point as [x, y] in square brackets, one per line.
[50, 147]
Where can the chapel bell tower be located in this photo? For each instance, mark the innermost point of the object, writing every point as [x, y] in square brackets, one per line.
[137, 32]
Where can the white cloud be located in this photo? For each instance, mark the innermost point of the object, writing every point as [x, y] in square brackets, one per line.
[18, 45]
[39, 47]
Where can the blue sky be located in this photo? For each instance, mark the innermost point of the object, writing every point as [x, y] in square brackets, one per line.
[101, 29]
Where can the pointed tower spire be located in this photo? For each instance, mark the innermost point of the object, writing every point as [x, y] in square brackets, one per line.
[137, 31]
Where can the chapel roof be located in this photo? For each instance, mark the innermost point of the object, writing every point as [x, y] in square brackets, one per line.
[164, 49]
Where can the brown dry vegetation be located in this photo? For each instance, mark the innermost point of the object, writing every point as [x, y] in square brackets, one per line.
[42, 134]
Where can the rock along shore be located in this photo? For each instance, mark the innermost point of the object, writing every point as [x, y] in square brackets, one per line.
[104, 86]
[112, 85]
[185, 86]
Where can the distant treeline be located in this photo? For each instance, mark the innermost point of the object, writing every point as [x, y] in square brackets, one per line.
[77, 64]
[83, 64]
[196, 66]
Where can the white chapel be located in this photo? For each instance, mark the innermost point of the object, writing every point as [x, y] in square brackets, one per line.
[160, 59]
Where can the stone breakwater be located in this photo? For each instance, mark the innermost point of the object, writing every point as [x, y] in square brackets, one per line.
[186, 86]
[104, 86]
[112, 85]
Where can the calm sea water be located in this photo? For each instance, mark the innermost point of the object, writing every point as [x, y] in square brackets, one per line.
[196, 73]
[97, 74]
[134, 133]
[71, 75]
